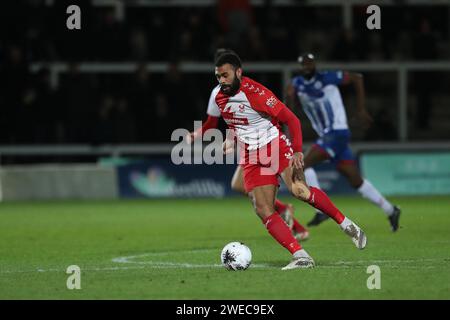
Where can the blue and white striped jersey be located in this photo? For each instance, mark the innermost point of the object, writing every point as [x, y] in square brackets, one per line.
[321, 100]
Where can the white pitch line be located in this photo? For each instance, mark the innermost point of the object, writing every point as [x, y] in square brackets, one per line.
[168, 264]
[392, 261]
[338, 264]
[126, 259]
[40, 270]
[179, 266]
[396, 263]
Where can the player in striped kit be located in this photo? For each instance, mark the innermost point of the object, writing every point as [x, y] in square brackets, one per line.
[318, 94]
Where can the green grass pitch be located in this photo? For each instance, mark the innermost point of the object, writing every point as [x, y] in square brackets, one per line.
[170, 249]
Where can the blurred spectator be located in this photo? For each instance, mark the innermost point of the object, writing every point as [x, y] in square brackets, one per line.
[46, 117]
[115, 123]
[110, 39]
[191, 39]
[141, 94]
[178, 92]
[402, 46]
[104, 128]
[382, 128]
[424, 42]
[161, 121]
[15, 83]
[198, 37]
[185, 48]
[76, 97]
[376, 48]
[138, 45]
[280, 44]
[158, 39]
[255, 48]
[424, 48]
[346, 47]
[125, 123]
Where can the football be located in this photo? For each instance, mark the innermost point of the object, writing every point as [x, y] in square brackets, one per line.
[236, 256]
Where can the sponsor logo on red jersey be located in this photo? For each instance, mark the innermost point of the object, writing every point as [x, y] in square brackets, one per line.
[271, 102]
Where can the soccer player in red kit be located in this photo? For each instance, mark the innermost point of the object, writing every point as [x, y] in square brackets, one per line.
[285, 210]
[249, 108]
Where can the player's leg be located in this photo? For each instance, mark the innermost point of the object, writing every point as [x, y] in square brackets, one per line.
[315, 155]
[350, 170]
[296, 183]
[264, 202]
[288, 214]
[263, 182]
[286, 211]
[237, 182]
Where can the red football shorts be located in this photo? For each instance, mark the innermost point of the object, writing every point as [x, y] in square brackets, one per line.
[263, 166]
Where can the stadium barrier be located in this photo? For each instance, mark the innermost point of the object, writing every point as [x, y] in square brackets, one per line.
[57, 181]
[135, 171]
[408, 173]
[150, 178]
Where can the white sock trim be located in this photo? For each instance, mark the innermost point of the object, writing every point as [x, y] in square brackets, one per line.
[301, 253]
[368, 191]
[345, 223]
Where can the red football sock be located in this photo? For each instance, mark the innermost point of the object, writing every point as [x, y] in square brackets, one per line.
[319, 200]
[281, 232]
[298, 227]
[280, 206]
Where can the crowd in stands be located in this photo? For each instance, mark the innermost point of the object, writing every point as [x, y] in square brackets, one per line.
[144, 107]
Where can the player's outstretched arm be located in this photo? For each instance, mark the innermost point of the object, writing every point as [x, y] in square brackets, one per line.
[291, 98]
[357, 80]
[228, 144]
[211, 122]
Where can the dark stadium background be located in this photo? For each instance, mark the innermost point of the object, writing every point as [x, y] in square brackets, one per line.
[145, 107]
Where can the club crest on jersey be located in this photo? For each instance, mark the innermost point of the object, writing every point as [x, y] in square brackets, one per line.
[318, 85]
[233, 107]
[271, 102]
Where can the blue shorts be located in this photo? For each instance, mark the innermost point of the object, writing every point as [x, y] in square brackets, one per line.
[336, 145]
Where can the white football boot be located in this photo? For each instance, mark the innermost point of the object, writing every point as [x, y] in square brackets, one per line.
[358, 236]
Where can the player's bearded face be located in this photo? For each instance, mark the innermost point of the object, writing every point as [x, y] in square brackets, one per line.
[228, 79]
[232, 88]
